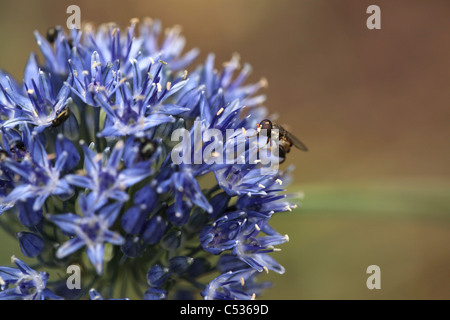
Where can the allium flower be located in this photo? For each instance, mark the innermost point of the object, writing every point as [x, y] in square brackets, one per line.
[24, 283]
[116, 158]
[90, 230]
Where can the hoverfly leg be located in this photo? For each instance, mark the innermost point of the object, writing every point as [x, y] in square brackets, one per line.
[282, 154]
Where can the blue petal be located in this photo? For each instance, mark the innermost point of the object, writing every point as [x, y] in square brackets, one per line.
[146, 196]
[31, 244]
[110, 212]
[68, 222]
[63, 144]
[27, 216]
[79, 181]
[69, 247]
[95, 255]
[154, 230]
[133, 220]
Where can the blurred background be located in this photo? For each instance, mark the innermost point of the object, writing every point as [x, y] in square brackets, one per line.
[373, 106]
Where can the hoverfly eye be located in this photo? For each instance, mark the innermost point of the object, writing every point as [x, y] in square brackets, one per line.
[266, 125]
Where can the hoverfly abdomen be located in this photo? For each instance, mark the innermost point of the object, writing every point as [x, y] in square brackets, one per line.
[61, 117]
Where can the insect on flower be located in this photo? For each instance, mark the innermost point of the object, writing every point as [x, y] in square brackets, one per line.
[86, 167]
[52, 34]
[285, 138]
[61, 117]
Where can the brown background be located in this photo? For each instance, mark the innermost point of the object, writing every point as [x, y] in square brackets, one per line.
[373, 106]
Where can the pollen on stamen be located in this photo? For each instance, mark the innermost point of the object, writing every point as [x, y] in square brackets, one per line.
[168, 85]
[134, 20]
[162, 62]
[257, 227]
[30, 91]
[279, 182]
[244, 131]
[286, 237]
[119, 144]
[185, 74]
[253, 296]
[242, 281]
[151, 60]
[261, 186]
[158, 85]
[96, 64]
[98, 157]
[2, 282]
[288, 208]
[123, 80]
[81, 172]
[220, 111]
[266, 269]
[264, 83]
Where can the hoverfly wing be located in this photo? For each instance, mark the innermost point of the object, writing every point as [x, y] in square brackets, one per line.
[289, 136]
[296, 142]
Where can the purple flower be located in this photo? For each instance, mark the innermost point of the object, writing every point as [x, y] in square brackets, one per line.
[24, 283]
[90, 230]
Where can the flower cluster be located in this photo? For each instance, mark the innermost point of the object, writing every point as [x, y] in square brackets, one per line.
[87, 178]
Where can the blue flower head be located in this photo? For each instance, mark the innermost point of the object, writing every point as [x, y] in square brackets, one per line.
[24, 283]
[120, 155]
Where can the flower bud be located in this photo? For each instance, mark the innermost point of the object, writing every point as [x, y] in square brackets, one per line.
[31, 244]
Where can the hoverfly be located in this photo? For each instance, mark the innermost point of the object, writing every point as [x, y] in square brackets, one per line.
[285, 138]
[52, 34]
[61, 117]
[147, 148]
